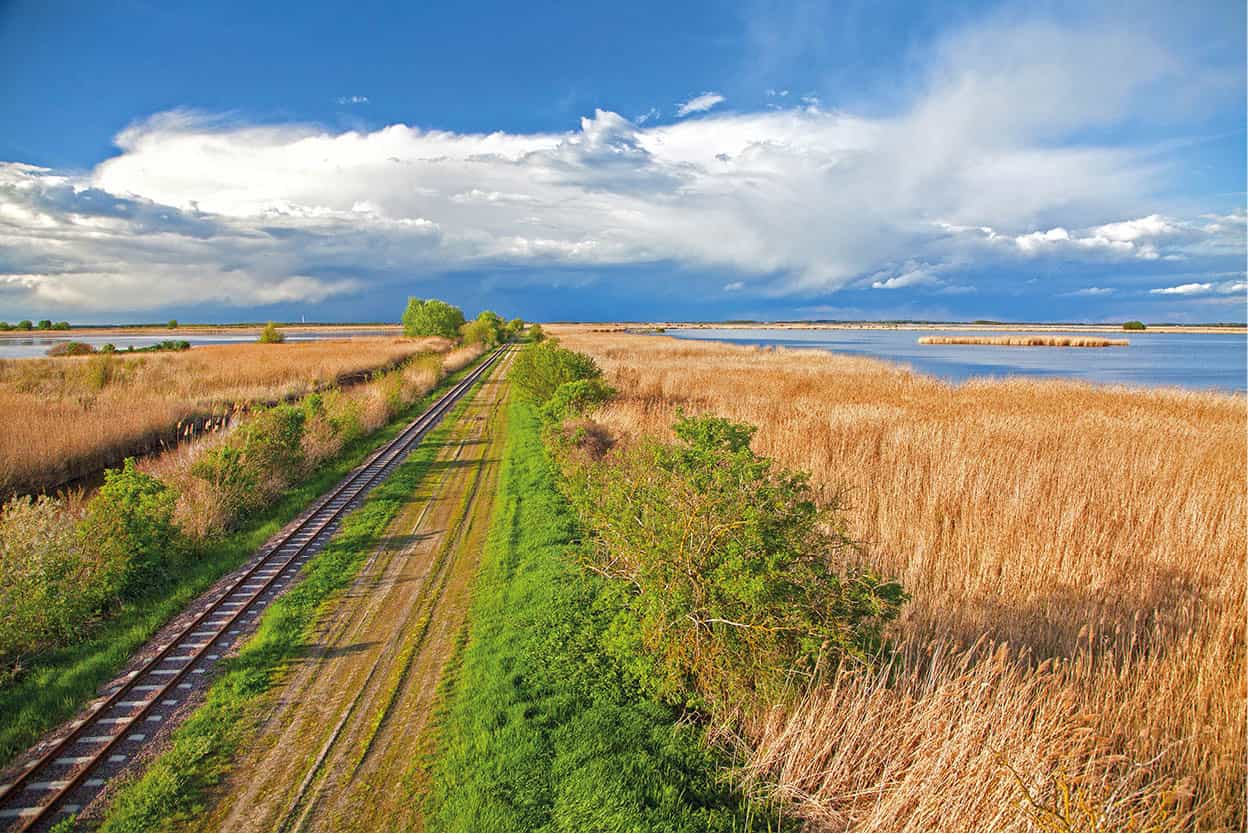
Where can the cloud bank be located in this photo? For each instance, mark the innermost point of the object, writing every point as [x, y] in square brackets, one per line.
[979, 169]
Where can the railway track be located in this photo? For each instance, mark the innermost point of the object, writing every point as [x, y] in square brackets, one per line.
[60, 777]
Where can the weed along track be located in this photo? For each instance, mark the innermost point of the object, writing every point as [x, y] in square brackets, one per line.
[334, 746]
[60, 776]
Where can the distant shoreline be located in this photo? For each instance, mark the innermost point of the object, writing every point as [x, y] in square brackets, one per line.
[197, 330]
[1237, 330]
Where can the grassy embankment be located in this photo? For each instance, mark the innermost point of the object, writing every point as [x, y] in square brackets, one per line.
[1075, 556]
[65, 418]
[539, 728]
[172, 790]
[55, 683]
[1024, 341]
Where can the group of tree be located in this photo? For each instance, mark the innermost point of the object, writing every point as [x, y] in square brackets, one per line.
[43, 324]
[434, 317]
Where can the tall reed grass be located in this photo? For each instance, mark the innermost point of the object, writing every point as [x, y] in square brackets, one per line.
[63, 418]
[1074, 654]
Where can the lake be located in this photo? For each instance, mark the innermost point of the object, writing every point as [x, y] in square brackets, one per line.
[1188, 360]
[28, 347]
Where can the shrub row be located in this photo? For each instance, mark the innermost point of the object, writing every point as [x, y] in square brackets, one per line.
[65, 564]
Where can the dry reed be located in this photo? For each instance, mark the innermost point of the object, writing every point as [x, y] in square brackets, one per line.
[1074, 655]
[62, 418]
[1024, 341]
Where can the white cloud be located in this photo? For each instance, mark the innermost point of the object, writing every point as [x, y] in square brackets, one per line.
[1204, 288]
[352, 99]
[1091, 292]
[734, 286]
[700, 104]
[649, 115]
[801, 200]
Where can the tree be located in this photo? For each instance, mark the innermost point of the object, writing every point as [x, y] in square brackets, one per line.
[61, 325]
[45, 324]
[24, 324]
[1133, 325]
[540, 369]
[536, 334]
[173, 324]
[270, 335]
[432, 317]
[514, 328]
[478, 332]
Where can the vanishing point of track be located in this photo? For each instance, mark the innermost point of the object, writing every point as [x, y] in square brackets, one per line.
[59, 780]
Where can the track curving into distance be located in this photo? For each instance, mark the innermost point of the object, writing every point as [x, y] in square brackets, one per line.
[61, 776]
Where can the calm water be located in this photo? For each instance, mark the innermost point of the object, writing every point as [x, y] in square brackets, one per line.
[28, 347]
[1189, 360]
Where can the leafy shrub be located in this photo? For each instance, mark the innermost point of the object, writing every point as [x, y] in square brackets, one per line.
[724, 567]
[173, 324]
[1133, 325]
[536, 334]
[270, 335]
[61, 325]
[263, 456]
[51, 585]
[129, 522]
[479, 332]
[4, 325]
[540, 369]
[572, 399]
[44, 324]
[432, 318]
[24, 324]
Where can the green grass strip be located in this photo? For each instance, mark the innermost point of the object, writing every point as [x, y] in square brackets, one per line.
[538, 728]
[58, 683]
[171, 792]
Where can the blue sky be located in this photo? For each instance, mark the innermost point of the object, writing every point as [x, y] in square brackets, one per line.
[227, 161]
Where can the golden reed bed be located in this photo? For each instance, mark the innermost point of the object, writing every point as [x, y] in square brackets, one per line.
[61, 418]
[1076, 556]
[1024, 341]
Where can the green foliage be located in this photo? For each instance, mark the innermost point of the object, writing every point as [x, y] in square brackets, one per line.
[479, 332]
[540, 369]
[432, 317]
[173, 324]
[270, 335]
[725, 566]
[261, 458]
[540, 729]
[44, 324]
[536, 334]
[61, 325]
[1133, 325]
[101, 369]
[129, 522]
[514, 329]
[572, 399]
[52, 587]
[24, 324]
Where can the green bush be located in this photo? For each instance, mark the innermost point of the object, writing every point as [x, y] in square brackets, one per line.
[52, 587]
[129, 522]
[270, 335]
[24, 324]
[572, 399]
[261, 458]
[173, 324]
[432, 318]
[536, 334]
[725, 567]
[479, 332]
[44, 324]
[540, 369]
[1133, 325]
[4, 325]
[61, 325]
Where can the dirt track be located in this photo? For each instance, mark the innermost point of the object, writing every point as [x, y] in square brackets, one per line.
[339, 745]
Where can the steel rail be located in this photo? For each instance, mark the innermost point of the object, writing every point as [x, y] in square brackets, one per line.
[303, 534]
